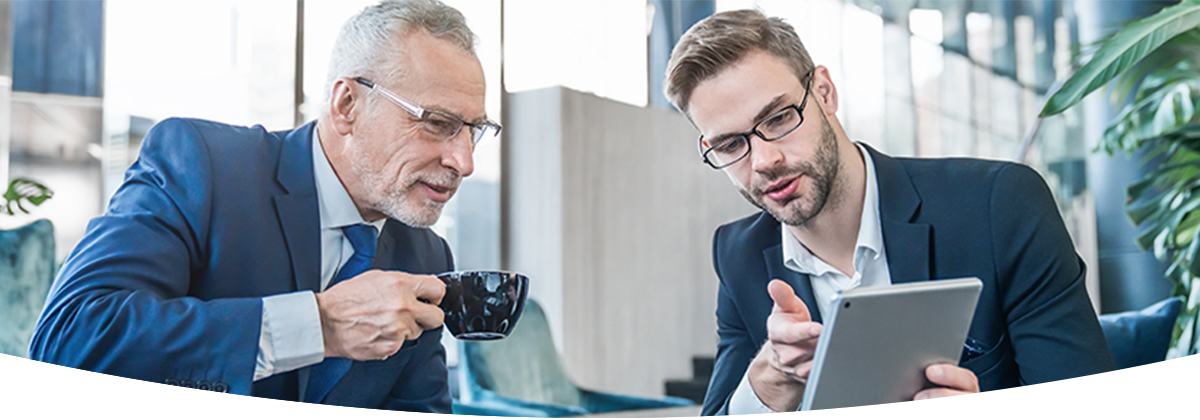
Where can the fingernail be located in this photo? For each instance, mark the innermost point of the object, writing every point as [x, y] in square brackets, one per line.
[920, 396]
[935, 372]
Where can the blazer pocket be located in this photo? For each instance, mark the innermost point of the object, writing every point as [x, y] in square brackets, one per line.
[989, 359]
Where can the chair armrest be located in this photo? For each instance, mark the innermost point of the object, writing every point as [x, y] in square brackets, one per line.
[485, 399]
[600, 402]
[496, 409]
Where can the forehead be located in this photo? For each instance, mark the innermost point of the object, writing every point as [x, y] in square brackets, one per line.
[438, 75]
[729, 101]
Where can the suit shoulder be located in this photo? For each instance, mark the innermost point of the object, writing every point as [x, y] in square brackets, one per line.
[965, 173]
[757, 231]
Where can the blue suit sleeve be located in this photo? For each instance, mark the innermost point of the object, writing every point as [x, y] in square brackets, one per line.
[1051, 323]
[735, 349]
[120, 303]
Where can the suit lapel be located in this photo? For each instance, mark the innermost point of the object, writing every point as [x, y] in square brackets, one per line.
[906, 242]
[383, 250]
[297, 209]
[800, 282]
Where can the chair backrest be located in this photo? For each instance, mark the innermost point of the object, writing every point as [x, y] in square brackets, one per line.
[1140, 337]
[523, 366]
[26, 271]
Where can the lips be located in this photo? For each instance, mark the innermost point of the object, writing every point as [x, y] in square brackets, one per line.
[782, 189]
[438, 192]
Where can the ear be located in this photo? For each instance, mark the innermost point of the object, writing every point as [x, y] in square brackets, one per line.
[343, 106]
[824, 91]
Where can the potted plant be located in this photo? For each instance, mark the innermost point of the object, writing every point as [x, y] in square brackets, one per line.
[1156, 64]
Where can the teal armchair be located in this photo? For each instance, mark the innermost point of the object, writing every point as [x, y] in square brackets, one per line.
[522, 376]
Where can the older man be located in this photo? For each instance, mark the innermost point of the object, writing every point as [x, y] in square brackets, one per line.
[839, 215]
[290, 265]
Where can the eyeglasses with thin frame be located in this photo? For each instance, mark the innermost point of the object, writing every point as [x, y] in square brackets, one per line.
[731, 149]
[439, 124]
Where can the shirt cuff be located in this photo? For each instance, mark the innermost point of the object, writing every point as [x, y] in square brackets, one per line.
[291, 334]
[745, 401]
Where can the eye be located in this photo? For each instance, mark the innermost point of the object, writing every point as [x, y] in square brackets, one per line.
[780, 120]
[729, 144]
[441, 125]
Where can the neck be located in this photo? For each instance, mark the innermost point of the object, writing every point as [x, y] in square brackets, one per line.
[333, 144]
[832, 234]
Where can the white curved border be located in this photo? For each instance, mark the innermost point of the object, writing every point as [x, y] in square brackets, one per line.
[38, 390]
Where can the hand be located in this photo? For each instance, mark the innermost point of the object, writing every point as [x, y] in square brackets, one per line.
[954, 380]
[370, 316]
[779, 373]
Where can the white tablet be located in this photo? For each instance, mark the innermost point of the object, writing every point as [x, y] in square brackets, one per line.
[875, 346]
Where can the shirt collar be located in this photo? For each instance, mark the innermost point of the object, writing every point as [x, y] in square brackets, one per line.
[869, 243]
[336, 208]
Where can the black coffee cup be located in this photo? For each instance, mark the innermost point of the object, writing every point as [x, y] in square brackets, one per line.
[483, 305]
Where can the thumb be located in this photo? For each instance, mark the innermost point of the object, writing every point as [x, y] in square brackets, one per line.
[786, 300]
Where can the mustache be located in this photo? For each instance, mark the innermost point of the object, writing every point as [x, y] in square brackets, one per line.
[450, 179]
[771, 175]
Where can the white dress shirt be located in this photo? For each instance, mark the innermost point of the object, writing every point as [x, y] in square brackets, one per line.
[291, 335]
[870, 269]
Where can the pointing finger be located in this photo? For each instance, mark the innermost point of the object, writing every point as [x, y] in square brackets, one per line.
[786, 300]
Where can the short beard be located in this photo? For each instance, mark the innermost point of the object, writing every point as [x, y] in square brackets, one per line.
[391, 199]
[824, 172]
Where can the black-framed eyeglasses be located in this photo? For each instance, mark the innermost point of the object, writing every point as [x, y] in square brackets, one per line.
[731, 149]
[439, 124]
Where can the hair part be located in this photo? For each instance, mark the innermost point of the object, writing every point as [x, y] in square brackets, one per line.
[721, 40]
[367, 43]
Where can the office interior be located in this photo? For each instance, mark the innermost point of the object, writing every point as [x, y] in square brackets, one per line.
[595, 189]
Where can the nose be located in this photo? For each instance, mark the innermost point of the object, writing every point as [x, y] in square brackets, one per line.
[457, 153]
[764, 154]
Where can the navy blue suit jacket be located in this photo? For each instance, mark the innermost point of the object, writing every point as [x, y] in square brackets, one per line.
[941, 219]
[166, 286]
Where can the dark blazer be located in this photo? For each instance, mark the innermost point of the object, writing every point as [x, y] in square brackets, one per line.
[941, 219]
[166, 286]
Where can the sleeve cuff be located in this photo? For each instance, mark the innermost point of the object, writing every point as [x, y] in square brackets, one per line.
[291, 334]
[745, 401]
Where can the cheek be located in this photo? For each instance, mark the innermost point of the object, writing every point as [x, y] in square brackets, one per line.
[739, 177]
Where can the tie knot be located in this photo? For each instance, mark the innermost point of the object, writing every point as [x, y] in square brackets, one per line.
[362, 238]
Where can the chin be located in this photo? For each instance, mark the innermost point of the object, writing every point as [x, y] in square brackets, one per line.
[419, 216]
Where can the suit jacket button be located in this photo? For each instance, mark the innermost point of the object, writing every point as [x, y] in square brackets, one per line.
[187, 383]
[204, 386]
[220, 387]
[172, 382]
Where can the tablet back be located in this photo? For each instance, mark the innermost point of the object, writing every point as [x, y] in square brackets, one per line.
[878, 341]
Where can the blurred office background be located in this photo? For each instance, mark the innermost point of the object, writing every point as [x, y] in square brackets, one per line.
[596, 189]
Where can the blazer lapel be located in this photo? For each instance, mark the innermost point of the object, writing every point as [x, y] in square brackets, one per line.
[383, 249]
[906, 242]
[800, 282]
[297, 209]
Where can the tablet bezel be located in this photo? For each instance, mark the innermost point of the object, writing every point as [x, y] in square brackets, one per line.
[875, 345]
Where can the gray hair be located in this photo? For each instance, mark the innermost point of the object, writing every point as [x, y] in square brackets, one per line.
[720, 40]
[366, 42]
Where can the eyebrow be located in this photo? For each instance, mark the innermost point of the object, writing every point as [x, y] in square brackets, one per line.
[439, 109]
[763, 113]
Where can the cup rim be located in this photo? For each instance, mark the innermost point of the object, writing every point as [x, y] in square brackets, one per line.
[458, 273]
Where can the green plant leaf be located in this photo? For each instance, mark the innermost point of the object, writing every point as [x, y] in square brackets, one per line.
[1121, 52]
[24, 190]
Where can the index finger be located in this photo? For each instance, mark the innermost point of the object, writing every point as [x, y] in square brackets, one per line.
[787, 301]
[430, 289]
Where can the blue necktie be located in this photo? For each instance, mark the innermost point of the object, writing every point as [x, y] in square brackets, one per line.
[325, 374]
